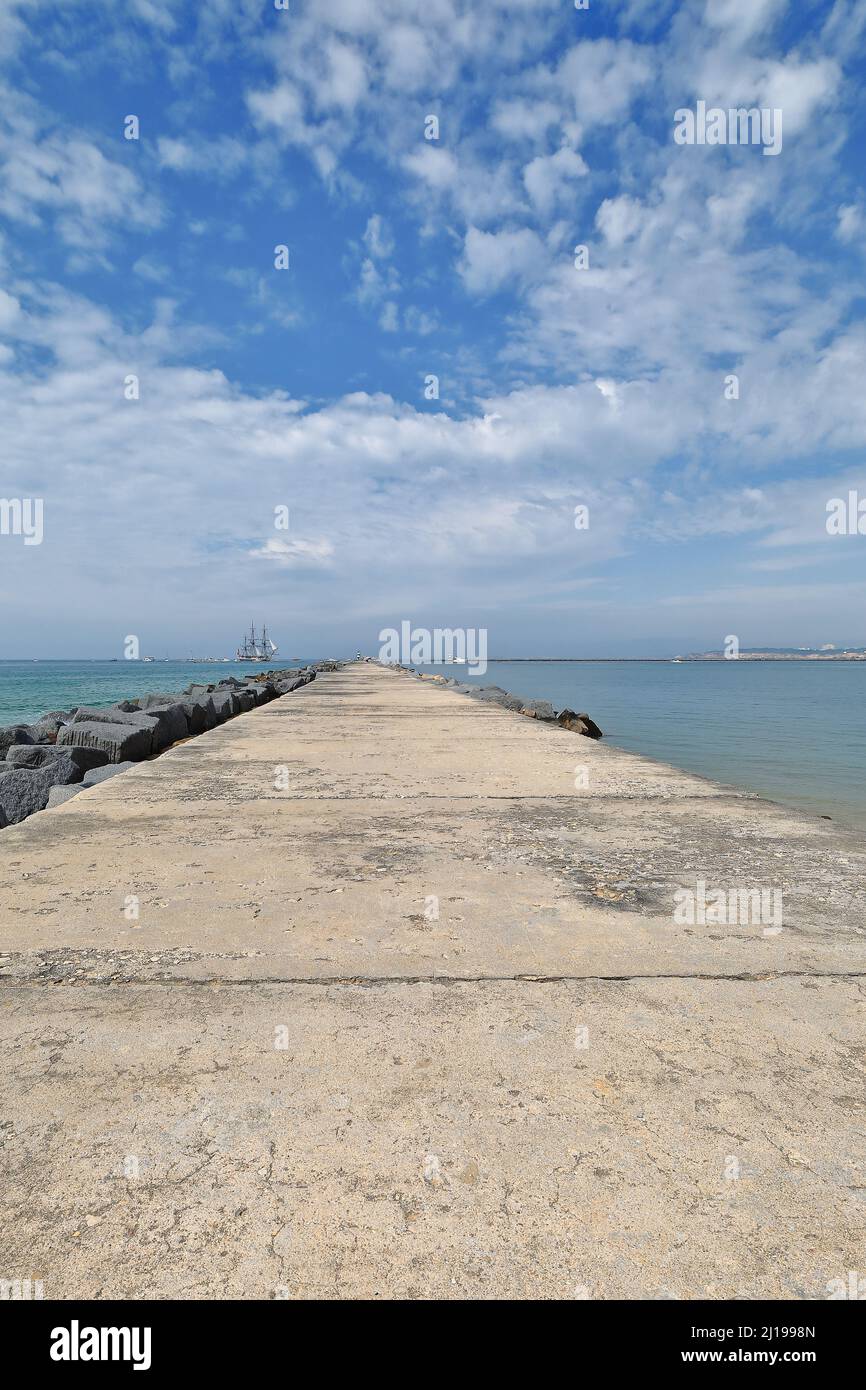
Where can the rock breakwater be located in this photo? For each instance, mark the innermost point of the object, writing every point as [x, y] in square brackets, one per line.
[494, 694]
[44, 763]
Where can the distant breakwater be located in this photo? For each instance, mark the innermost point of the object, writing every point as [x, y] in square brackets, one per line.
[45, 763]
[576, 723]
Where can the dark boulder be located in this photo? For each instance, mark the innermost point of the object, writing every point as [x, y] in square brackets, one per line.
[24, 790]
[44, 732]
[152, 723]
[173, 723]
[492, 694]
[225, 704]
[256, 691]
[195, 715]
[156, 697]
[121, 742]
[14, 733]
[200, 714]
[167, 723]
[44, 755]
[110, 714]
[210, 715]
[62, 770]
[538, 709]
[578, 723]
[48, 726]
[57, 795]
[102, 774]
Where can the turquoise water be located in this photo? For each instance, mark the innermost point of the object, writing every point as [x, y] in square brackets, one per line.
[31, 688]
[793, 731]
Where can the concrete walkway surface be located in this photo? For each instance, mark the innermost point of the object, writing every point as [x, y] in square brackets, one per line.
[359, 995]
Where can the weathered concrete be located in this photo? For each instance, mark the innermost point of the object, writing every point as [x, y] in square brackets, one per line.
[425, 1125]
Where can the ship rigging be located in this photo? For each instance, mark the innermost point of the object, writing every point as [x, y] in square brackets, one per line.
[255, 648]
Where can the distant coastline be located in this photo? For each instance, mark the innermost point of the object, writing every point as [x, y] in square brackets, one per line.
[851, 654]
[828, 652]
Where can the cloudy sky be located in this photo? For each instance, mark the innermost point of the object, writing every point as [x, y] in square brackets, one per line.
[308, 388]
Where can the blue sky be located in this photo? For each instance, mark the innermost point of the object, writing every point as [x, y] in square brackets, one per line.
[305, 388]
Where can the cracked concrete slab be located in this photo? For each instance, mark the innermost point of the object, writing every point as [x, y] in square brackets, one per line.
[406, 1141]
[406, 1013]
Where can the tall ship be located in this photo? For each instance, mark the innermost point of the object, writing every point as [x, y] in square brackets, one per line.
[255, 648]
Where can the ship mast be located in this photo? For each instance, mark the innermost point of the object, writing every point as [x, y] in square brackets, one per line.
[254, 648]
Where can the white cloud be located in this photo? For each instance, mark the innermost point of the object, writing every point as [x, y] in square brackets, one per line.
[280, 106]
[409, 58]
[341, 78]
[739, 20]
[522, 119]
[386, 498]
[619, 219]
[55, 173]
[150, 269]
[437, 167]
[378, 238]
[799, 90]
[175, 154]
[603, 77]
[389, 320]
[376, 282]
[850, 223]
[419, 321]
[294, 554]
[492, 260]
[10, 311]
[548, 178]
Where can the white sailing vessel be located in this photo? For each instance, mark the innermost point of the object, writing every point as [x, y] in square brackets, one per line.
[255, 648]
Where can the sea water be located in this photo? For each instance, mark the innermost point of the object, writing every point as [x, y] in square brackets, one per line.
[794, 731]
[31, 688]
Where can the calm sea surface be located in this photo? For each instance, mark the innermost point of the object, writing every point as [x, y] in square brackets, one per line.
[793, 731]
[31, 688]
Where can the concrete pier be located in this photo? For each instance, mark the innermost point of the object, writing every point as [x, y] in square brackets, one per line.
[377, 991]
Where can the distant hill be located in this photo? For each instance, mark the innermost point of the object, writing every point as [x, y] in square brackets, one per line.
[784, 654]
